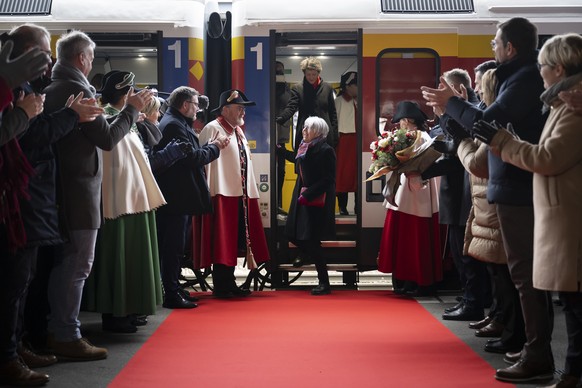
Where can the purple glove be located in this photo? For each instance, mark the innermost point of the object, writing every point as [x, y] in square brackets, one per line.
[302, 200]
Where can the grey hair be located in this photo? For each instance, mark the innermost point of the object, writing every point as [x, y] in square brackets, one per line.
[318, 125]
[181, 94]
[72, 44]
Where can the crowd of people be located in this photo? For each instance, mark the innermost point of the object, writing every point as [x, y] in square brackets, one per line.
[113, 190]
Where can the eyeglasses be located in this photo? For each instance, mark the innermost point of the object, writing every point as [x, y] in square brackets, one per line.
[540, 65]
[192, 102]
[240, 108]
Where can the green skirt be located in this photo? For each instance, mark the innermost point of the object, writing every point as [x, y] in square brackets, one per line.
[126, 273]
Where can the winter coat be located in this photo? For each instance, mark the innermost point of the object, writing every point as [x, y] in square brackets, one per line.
[557, 186]
[483, 239]
[517, 102]
[324, 107]
[79, 152]
[318, 175]
[184, 183]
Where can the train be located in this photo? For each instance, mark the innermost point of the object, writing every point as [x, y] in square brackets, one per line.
[396, 46]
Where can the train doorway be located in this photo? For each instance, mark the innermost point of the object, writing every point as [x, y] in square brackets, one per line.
[338, 53]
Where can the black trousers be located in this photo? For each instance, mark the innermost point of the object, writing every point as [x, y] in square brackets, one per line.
[16, 273]
[312, 250]
[573, 313]
[171, 240]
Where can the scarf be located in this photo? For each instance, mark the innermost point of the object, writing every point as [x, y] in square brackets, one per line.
[304, 146]
[310, 95]
[67, 72]
[15, 171]
[550, 96]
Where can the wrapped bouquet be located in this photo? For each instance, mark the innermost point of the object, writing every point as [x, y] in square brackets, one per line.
[400, 151]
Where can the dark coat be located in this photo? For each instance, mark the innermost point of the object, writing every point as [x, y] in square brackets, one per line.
[318, 171]
[324, 107]
[79, 152]
[518, 102]
[40, 213]
[184, 183]
[454, 189]
[282, 96]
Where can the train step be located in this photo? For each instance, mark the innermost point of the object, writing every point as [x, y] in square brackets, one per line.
[311, 267]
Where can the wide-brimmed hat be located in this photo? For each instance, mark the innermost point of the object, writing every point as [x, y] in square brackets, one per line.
[409, 110]
[233, 97]
[116, 80]
[348, 78]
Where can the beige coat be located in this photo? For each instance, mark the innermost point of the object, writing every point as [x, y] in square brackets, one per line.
[557, 166]
[482, 235]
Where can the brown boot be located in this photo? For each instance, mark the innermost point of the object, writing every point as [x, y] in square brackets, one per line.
[35, 360]
[15, 372]
[79, 350]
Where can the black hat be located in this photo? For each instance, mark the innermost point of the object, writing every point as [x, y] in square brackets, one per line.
[348, 78]
[409, 110]
[233, 97]
[116, 80]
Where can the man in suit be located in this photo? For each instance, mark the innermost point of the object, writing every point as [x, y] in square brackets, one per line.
[184, 187]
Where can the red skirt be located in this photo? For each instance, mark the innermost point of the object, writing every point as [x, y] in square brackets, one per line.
[347, 164]
[410, 248]
[215, 235]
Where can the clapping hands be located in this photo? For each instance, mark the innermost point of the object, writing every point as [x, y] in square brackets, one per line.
[485, 131]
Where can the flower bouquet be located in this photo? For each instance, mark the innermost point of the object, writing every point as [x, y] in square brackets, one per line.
[400, 151]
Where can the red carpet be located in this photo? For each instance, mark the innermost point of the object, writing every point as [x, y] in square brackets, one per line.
[292, 339]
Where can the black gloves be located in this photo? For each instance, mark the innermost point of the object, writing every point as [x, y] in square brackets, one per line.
[174, 151]
[485, 131]
[456, 131]
[445, 146]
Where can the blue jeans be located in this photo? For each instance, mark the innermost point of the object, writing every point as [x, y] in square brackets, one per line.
[73, 262]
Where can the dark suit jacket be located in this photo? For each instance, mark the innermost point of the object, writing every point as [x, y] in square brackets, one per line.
[184, 183]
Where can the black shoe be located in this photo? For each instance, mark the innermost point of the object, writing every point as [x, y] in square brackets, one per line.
[525, 371]
[455, 307]
[481, 324]
[465, 313]
[298, 262]
[139, 319]
[344, 212]
[321, 290]
[117, 324]
[186, 295]
[175, 301]
[222, 294]
[497, 346]
[241, 292]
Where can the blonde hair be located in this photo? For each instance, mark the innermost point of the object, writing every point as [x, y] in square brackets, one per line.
[153, 105]
[488, 86]
[311, 63]
[564, 50]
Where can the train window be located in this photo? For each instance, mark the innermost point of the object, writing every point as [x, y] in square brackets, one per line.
[423, 6]
[400, 74]
[19, 7]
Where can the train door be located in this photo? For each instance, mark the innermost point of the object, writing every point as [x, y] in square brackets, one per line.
[338, 53]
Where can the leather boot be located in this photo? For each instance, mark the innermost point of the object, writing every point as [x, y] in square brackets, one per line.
[16, 372]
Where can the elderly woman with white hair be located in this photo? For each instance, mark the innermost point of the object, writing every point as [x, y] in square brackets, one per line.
[312, 214]
[556, 163]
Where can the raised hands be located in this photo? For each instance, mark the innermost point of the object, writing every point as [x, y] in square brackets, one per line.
[439, 97]
[27, 67]
[140, 99]
[86, 108]
[31, 104]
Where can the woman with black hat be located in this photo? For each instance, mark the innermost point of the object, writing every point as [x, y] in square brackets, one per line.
[125, 277]
[410, 247]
